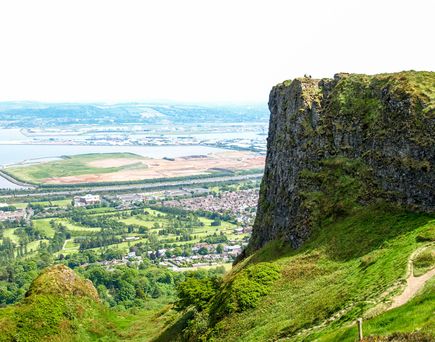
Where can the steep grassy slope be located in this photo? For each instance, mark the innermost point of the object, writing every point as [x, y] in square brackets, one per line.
[351, 268]
[416, 315]
[348, 180]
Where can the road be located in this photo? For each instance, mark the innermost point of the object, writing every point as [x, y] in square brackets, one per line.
[148, 186]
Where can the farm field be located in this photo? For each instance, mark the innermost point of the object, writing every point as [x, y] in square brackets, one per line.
[118, 167]
[55, 203]
[43, 225]
[70, 166]
[31, 247]
[9, 233]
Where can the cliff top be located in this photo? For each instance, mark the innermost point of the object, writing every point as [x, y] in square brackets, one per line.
[418, 85]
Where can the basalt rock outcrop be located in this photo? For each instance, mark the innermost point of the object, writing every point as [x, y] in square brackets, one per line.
[339, 143]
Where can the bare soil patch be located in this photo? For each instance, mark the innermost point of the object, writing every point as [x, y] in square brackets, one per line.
[163, 168]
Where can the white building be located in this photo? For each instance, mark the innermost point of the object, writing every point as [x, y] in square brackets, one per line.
[83, 201]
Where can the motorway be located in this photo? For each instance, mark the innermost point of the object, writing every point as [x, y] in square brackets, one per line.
[141, 187]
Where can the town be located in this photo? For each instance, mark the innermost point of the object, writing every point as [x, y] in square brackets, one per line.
[180, 229]
[242, 203]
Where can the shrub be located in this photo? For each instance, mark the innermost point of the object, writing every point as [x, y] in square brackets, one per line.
[244, 291]
[196, 292]
[427, 235]
[425, 259]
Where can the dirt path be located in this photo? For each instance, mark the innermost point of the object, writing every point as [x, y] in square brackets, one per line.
[413, 284]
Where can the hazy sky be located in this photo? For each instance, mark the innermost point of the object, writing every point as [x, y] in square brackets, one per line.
[201, 50]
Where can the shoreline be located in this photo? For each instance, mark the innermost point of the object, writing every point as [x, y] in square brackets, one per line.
[12, 180]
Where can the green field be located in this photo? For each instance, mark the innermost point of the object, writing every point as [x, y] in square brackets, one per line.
[43, 225]
[9, 233]
[32, 246]
[72, 166]
[57, 203]
[77, 228]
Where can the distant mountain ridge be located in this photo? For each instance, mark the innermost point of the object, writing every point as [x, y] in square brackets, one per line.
[34, 114]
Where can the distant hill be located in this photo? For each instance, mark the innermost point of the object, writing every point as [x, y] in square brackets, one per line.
[34, 114]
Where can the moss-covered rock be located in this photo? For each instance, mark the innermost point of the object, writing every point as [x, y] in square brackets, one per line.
[59, 306]
[62, 281]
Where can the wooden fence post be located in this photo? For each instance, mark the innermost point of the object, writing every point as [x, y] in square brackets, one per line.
[360, 331]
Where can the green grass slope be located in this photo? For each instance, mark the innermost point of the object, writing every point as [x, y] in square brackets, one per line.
[351, 268]
[416, 315]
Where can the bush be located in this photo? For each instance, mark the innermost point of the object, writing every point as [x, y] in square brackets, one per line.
[245, 290]
[425, 259]
[215, 223]
[426, 236]
[196, 292]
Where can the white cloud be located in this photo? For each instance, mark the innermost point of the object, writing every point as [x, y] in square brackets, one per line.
[201, 50]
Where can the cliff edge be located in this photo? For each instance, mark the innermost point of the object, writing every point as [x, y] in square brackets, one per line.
[339, 143]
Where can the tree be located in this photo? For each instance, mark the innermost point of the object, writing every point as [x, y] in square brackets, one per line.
[219, 249]
[203, 251]
[197, 292]
[125, 291]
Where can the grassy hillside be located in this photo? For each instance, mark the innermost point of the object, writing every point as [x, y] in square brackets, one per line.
[61, 306]
[417, 314]
[75, 165]
[351, 268]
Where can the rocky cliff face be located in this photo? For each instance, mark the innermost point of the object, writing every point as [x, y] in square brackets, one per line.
[338, 143]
